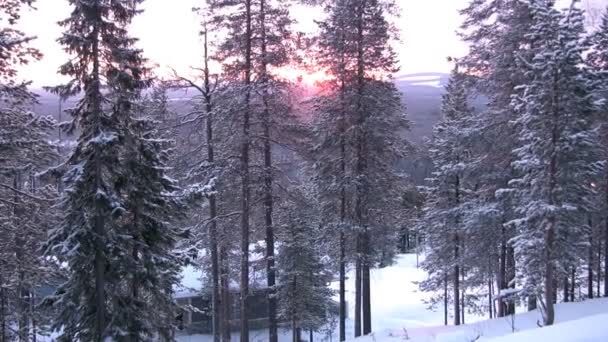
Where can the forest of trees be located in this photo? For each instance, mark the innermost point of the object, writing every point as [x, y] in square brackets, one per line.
[310, 181]
[518, 198]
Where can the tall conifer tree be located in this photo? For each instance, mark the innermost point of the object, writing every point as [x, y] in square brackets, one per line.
[557, 154]
[118, 249]
[370, 122]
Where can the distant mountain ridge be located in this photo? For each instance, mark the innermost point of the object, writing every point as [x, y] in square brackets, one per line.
[421, 94]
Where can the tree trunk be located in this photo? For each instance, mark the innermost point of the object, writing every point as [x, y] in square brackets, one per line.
[510, 277]
[566, 288]
[490, 302]
[550, 233]
[135, 287]
[213, 236]
[555, 287]
[311, 336]
[294, 330]
[572, 284]
[24, 311]
[456, 295]
[2, 313]
[268, 180]
[225, 301]
[99, 264]
[456, 283]
[246, 191]
[549, 245]
[590, 266]
[342, 294]
[361, 165]
[358, 294]
[445, 299]
[606, 244]
[366, 284]
[33, 316]
[21, 300]
[342, 285]
[599, 267]
[502, 274]
[606, 258]
[532, 303]
[462, 296]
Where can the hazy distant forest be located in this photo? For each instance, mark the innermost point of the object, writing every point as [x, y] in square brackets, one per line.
[109, 191]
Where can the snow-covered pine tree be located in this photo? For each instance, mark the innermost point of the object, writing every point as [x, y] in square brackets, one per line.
[152, 202]
[274, 43]
[449, 192]
[257, 44]
[360, 62]
[558, 152]
[205, 165]
[214, 246]
[332, 165]
[496, 32]
[236, 54]
[303, 292]
[331, 181]
[25, 206]
[156, 106]
[149, 227]
[114, 188]
[597, 63]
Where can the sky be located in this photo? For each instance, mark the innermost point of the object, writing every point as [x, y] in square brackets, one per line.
[168, 33]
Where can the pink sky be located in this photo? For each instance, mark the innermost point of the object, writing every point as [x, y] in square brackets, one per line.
[168, 33]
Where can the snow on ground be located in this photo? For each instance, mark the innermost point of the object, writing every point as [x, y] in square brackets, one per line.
[575, 322]
[396, 300]
[399, 313]
[588, 329]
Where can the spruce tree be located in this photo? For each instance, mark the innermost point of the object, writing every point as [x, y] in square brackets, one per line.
[449, 192]
[303, 292]
[496, 31]
[153, 206]
[369, 128]
[331, 164]
[557, 153]
[596, 61]
[118, 251]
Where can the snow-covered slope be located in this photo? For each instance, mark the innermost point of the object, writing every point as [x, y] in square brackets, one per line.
[575, 322]
[588, 329]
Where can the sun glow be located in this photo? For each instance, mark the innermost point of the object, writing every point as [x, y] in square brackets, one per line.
[305, 77]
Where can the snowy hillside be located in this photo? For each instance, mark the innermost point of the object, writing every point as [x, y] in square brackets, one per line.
[576, 322]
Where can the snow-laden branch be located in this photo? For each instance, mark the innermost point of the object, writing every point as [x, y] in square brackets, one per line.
[36, 198]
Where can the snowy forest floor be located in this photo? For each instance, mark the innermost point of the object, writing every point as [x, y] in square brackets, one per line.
[399, 314]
